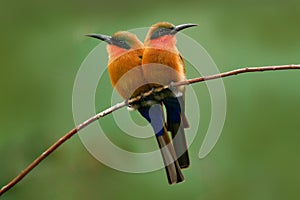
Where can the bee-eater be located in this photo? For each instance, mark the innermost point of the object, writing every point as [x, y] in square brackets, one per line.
[125, 52]
[125, 55]
[163, 64]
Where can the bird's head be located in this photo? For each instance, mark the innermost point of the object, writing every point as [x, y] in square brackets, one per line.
[119, 43]
[162, 34]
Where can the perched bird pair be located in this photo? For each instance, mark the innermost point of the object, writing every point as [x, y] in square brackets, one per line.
[135, 68]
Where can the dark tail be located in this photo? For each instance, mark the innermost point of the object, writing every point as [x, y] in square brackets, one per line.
[176, 122]
[155, 116]
[172, 167]
[180, 144]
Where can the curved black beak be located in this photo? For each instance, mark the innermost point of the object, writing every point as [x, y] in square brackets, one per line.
[182, 26]
[102, 37]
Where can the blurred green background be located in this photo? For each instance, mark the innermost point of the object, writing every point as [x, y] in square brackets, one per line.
[257, 156]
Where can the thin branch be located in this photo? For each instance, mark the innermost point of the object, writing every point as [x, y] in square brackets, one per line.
[130, 102]
[240, 71]
[215, 76]
[57, 144]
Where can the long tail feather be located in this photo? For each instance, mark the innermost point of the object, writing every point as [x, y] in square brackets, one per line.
[172, 167]
[180, 144]
[154, 115]
[176, 122]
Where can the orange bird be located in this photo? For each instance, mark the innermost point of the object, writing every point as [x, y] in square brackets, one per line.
[126, 75]
[162, 65]
[125, 52]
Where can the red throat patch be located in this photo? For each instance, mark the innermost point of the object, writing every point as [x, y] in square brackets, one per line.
[115, 51]
[164, 42]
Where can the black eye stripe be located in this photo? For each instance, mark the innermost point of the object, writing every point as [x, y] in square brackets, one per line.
[120, 43]
[160, 32]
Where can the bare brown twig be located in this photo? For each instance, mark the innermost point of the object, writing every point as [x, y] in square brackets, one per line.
[129, 102]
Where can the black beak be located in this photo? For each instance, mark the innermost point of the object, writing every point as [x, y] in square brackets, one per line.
[102, 37]
[182, 26]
